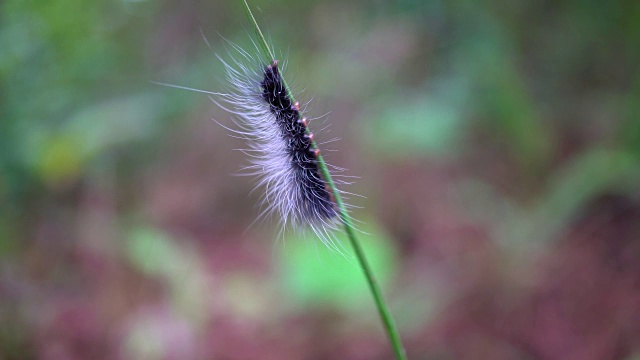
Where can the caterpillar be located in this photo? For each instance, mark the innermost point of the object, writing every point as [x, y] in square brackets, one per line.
[282, 150]
[313, 197]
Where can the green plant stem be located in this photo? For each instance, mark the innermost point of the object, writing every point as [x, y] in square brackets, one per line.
[383, 309]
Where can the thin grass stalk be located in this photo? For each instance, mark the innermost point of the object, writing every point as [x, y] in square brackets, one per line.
[381, 305]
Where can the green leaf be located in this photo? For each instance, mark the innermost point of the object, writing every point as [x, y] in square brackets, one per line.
[316, 275]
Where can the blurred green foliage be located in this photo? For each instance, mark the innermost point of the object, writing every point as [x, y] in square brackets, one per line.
[315, 275]
[483, 132]
[67, 96]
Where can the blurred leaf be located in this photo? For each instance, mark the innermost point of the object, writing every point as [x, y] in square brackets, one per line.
[591, 174]
[109, 123]
[520, 228]
[156, 254]
[60, 159]
[153, 252]
[313, 274]
[429, 124]
[63, 154]
[488, 56]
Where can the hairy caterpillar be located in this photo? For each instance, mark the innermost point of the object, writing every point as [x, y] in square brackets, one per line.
[312, 195]
[281, 147]
[282, 150]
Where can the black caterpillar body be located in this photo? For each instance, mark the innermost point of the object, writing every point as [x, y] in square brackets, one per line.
[316, 199]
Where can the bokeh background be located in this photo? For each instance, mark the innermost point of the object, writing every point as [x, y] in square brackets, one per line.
[497, 145]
